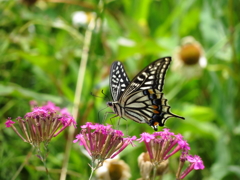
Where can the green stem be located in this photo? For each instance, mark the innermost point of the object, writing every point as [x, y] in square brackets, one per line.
[154, 172]
[92, 170]
[95, 166]
[43, 158]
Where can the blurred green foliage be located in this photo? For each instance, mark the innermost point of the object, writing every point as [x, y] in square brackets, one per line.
[40, 52]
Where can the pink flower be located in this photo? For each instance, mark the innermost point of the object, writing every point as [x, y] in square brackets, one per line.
[88, 125]
[65, 112]
[162, 145]
[146, 137]
[9, 122]
[50, 106]
[127, 141]
[37, 113]
[42, 124]
[181, 145]
[195, 163]
[102, 142]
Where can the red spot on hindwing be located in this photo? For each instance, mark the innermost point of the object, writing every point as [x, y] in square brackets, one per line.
[155, 112]
[154, 106]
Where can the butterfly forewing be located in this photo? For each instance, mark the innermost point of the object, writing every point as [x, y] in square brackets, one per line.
[118, 80]
[151, 77]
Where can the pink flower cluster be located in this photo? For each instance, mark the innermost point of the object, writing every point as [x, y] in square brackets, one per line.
[102, 142]
[162, 145]
[42, 124]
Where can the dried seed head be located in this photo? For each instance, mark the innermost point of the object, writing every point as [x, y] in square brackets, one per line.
[189, 59]
[113, 169]
[145, 165]
[190, 53]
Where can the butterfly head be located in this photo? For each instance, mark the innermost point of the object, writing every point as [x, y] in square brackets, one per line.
[115, 107]
[109, 104]
[112, 105]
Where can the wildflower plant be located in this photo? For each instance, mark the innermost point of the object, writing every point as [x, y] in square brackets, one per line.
[102, 142]
[40, 125]
[162, 145]
[189, 58]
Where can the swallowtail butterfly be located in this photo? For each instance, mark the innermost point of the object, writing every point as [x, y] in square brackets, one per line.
[141, 99]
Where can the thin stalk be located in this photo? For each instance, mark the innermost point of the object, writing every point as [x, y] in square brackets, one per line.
[92, 171]
[154, 172]
[43, 158]
[78, 92]
[93, 168]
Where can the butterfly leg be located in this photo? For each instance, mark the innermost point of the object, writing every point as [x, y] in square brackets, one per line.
[106, 114]
[112, 118]
[99, 115]
[118, 123]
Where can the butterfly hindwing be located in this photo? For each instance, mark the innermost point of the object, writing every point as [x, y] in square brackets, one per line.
[147, 106]
[118, 80]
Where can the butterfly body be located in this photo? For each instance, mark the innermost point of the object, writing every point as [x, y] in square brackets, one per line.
[141, 100]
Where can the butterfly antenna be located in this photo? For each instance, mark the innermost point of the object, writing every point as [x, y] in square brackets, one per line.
[106, 96]
[96, 95]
